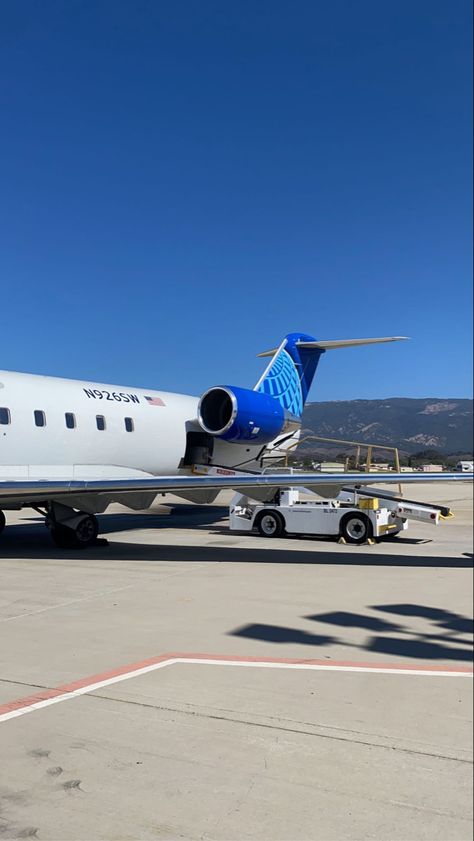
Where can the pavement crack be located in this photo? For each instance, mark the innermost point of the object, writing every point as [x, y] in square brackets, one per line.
[285, 729]
[87, 598]
[24, 683]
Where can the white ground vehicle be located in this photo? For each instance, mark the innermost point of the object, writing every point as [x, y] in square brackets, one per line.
[357, 516]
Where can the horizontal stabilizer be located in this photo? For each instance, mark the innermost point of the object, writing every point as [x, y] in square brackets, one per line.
[337, 343]
[269, 352]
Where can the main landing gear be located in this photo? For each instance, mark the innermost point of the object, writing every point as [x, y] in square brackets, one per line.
[71, 529]
[85, 534]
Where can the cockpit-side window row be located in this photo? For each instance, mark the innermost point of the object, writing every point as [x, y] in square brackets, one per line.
[69, 417]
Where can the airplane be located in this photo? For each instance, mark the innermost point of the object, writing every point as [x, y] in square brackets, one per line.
[69, 448]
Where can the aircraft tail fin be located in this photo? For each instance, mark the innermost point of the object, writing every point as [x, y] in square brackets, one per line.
[290, 373]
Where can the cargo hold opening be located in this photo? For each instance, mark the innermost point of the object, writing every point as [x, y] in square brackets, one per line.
[199, 447]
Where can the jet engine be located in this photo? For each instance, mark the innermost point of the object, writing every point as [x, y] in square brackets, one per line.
[240, 415]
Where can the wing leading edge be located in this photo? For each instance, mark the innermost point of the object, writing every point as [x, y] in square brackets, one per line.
[25, 490]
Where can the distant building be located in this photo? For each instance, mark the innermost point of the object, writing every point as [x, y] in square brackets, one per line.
[432, 468]
[378, 467]
[406, 469]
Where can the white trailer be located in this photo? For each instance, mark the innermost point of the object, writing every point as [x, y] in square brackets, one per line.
[355, 516]
[465, 466]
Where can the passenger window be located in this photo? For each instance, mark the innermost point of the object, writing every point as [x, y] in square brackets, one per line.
[129, 425]
[100, 421]
[70, 420]
[40, 417]
[4, 415]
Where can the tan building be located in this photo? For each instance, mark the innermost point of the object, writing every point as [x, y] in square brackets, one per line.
[379, 467]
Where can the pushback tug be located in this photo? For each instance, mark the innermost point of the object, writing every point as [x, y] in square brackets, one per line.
[355, 516]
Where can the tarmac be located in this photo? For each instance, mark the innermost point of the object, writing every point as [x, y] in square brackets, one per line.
[188, 682]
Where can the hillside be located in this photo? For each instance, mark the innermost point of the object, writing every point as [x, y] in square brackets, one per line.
[445, 424]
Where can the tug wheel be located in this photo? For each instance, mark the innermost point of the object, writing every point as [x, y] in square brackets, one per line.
[270, 524]
[355, 528]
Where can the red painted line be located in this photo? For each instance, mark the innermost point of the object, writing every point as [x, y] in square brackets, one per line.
[46, 694]
[43, 695]
[121, 670]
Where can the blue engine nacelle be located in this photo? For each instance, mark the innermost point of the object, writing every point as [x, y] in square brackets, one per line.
[240, 415]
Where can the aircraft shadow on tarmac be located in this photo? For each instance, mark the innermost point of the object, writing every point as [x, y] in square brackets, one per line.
[32, 540]
[448, 637]
[173, 517]
[170, 517]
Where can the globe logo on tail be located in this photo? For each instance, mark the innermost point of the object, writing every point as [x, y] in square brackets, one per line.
[283, 384]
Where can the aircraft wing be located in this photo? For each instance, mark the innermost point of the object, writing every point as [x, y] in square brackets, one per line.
[24, 491]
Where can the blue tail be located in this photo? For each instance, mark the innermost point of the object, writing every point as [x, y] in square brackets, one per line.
[289, 375]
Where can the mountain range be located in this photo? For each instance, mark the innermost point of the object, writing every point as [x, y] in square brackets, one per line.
[444, 424]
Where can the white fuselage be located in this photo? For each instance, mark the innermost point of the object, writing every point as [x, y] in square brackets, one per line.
[155, 445]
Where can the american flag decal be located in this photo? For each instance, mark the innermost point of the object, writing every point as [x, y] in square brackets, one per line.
[154, 401]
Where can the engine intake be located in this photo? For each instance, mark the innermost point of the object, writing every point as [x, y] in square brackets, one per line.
[241, 415]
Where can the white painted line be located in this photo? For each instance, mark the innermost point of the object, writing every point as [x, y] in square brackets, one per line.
[83, 690]
[15, 709]
[329, 667]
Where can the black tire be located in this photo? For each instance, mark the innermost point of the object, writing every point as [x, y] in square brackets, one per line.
[85, 534]
[2, 521]
[356, 528]
[63, 537]
[270, 524]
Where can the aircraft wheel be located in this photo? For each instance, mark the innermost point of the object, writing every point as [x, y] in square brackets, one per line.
[355, 528]
[2, 521]
[270, 524]
[83, 535]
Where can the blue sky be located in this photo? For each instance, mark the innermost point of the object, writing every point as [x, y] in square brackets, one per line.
[182, 183]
